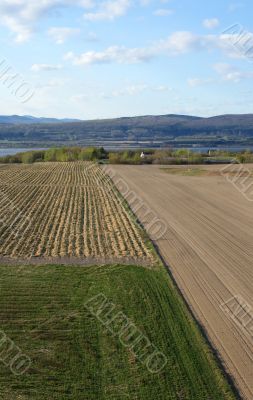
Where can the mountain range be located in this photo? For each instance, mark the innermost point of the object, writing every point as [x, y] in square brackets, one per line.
[28, 119]
[148, 131]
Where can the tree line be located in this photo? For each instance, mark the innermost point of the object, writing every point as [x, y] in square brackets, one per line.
[57, 154]
[160, 156]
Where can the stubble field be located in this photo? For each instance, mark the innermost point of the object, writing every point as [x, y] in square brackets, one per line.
[65, 211]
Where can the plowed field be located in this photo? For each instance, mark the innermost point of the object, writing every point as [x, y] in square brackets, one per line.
[208, 246]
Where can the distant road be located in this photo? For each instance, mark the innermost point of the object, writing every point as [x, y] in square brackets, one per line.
[209, 249]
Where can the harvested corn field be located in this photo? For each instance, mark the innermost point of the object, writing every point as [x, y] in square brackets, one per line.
[65, 211]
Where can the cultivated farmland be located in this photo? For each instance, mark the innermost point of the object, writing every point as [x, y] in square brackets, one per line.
[71, 213]
[67, 211]
[208, 247]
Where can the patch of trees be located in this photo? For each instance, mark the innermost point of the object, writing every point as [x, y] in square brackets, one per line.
[57, 154]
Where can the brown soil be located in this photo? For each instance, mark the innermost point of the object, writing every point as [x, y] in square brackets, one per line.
[209, 249]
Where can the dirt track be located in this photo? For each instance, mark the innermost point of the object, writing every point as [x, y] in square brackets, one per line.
[209, 248]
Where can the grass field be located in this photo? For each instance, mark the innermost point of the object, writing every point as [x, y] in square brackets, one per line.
[74, 357]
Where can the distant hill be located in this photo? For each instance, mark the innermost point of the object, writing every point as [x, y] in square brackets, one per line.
[126, 132]
[27, 119]
[240, 121]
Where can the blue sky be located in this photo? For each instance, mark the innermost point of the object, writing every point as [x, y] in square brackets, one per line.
[101, 59]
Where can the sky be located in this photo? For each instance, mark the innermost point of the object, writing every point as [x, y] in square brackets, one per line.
[92, 59]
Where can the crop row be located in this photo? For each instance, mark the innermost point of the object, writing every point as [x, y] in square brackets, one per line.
[65, 210]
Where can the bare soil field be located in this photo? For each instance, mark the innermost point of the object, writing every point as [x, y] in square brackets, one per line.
[208, 246]
[65, 212]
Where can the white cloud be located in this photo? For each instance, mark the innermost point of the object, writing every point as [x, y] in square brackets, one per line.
[235, 6]
[52, 83]
[211, 23]
[145, 2]
[238, 41]
[92, 37]
[161, 88]
[121, 55]
[21, 31]
[163, 12]
[176, 44]
[20, 16]
[194, 82]
[179, 43]
[45, 67]
[60, 35]
[229, 73]
[222, 68]
[79, 98]
[109, 10]
[226, 72]
[131, 90]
